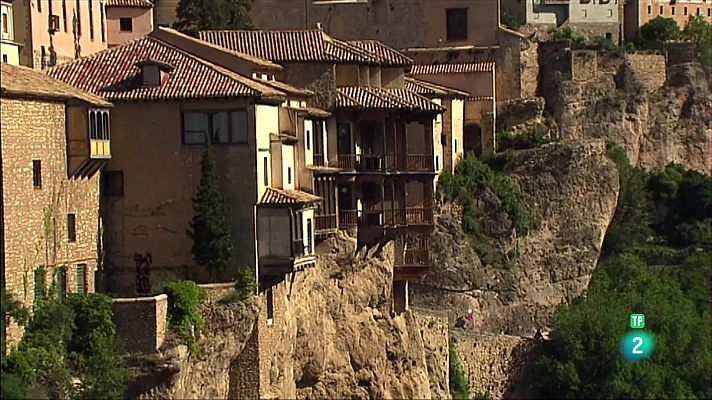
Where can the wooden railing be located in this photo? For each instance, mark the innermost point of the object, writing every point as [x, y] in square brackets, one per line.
[419, 216]
[319, 160]
[348, 217]
[416, 258]
[373, 218]
[387, 162]
[325, 222]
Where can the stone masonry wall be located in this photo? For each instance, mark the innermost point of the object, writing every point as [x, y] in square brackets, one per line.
[141, 321]
[35, 218]
[583, 65]
[650, 69]
[434, 330]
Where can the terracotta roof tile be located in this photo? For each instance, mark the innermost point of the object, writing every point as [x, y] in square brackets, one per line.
[304, 46]
[460, 68]
[385, 54]
[280, 196]
[113, 75]
[429, 89]
[18, 81]
[354, 97]
[129, 3]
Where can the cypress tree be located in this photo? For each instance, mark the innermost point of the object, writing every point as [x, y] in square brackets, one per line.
[210, 228]
[197, 15]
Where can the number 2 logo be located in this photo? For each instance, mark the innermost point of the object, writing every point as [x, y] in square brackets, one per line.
[639, 341]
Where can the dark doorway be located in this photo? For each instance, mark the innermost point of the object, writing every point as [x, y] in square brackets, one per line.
[344, 138]
[472, 137]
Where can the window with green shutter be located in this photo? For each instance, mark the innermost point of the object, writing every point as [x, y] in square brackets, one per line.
[39, 284]
[81, 278]
[60, 282]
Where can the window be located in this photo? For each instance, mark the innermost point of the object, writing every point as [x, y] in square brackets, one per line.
[698, 10]
[289, 175]
[265, 168]
[91, 20]
[37, 173]
[39, 286]
[456, 24]
[126, 24]
[455, 146]
[308, 139]
[661, 10]
[98, 124]
[78, 11]
[583, 13]
[39, 5]
[64, 14]
[685, 9]
[610, 13]
[103, 22]
[650, 9]
[60, 282]
[71, 227]
[227, 127]
[4, 58]
[672, 10]
[270, 305]
[437, 163]
[5, 23]
[112, 183]
[82, 278]
[309, 236]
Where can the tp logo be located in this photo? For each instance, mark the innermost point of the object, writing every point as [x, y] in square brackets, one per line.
[637, 345]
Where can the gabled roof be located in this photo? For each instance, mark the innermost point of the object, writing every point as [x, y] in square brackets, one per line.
[359, 98]
[23, 82]
[281, 196]
[112, 74]
[304, 46]
[129, 3]
[456, 68]
[429, 89]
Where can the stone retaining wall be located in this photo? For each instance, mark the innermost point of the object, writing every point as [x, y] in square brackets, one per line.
[141, 322]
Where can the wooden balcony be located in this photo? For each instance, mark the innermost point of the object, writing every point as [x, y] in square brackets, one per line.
[319, 160]
[415, 255]
[386, 162]
[348, 218]
[415, 216]
[419, 216]
[325, 223]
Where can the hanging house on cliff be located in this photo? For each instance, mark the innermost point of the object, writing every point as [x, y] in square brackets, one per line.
[170, 91]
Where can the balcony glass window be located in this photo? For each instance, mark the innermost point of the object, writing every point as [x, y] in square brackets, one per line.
[98, 125]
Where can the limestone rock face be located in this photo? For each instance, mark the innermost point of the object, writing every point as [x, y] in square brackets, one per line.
[668, 124]
[570, 190]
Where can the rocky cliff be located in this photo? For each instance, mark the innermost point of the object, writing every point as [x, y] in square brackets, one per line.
[331, 333]
[570, 190]
[623, 100]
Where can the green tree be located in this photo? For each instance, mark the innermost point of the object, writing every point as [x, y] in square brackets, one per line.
[658, 30]
[699, 31]
[211, 227]
[509, 20]
[197, 15]
[459, 387]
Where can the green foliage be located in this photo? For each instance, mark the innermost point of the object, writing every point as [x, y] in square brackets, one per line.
[509, 20]
[566, 33]
[64, 340]
[484, 396]
[10, 308]
[699, 31]
[658, 30]
[537, 136]
[459, 387]
[184, 298]
[654, 262]
[159, 281]
[211, 227]
[582, 358]
[245, 284]
[197, 15]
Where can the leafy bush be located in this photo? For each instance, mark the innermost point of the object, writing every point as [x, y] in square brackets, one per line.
[699, 31]
[509, 20]
[245, 284]
[459, 387]
[658, 30]
[535, 137]
[184, 298]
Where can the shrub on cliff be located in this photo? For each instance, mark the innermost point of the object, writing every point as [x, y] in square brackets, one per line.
[657, 31]
[211, 226]
[699, 31]
[184, 298]
[196, 15]
[459, 387]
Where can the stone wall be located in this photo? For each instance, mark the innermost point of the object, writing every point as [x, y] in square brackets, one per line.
[529, 69]
[35, 218]
[434, 330]
[493, 363]
[141, 322]
[651, 69]
[584, 65]
[679, 52]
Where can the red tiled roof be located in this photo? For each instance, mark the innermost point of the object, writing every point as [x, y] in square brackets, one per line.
[430, 89]
[303, 46]
[385, 54]
[280, 196]
[23, 82]
[129, 3]
[356, 97]
[113, 75]
[460, 68]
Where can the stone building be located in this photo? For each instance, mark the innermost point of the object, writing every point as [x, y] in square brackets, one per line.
[379, 140]
[589, 17]
[640, 12]
[55, 139]
[171, 90]
[9, 48]
[55, 31]
[127, 20]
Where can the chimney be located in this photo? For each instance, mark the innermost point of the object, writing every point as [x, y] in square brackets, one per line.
[318, 26]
